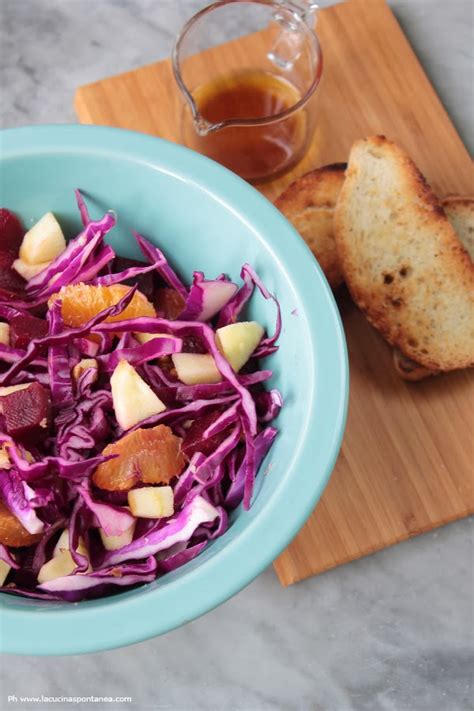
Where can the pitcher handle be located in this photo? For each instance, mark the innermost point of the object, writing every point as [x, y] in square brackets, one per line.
[287, 47]
[306, 9]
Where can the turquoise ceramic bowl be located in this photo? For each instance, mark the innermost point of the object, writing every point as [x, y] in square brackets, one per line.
[207, 219]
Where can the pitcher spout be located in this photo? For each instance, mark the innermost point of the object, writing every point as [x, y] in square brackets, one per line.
[203, 127]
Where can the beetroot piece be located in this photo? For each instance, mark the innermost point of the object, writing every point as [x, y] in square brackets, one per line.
[24, 329]
[168, 303]
[8, 295]
[11, 232]
[145, 282]
[27, 413]
[6, 261]
[194, 442]
[11, 283]
[193, 344]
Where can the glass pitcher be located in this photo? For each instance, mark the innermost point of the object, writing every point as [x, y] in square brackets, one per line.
[248, 70]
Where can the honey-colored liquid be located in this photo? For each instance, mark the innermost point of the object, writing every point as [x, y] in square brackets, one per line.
[255, 152]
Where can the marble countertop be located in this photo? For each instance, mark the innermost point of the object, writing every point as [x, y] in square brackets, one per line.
[391, 632]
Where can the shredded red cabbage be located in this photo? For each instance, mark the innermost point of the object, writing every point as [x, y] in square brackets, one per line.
[206, 298]
[47, 467]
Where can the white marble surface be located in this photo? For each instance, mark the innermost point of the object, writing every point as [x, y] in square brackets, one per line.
[392, 632]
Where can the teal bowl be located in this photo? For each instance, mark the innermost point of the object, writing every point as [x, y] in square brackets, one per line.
[207, 219]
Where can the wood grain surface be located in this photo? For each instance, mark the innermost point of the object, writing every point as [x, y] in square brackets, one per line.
[407, 458]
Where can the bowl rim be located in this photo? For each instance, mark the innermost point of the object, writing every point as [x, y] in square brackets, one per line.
[24, 631]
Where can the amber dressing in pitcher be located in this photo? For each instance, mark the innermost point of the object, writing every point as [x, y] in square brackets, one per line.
[255, 152]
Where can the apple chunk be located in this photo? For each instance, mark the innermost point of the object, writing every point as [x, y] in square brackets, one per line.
[237, 341]
[28, 271]
[62, 564]
[4, 570]
[113, 543]
[5, 462]
[133, 399]
[5, 334]
[151, 501]
[63, 545]
[196, 368]
[82, 366]
[43, 242]
[146, 337]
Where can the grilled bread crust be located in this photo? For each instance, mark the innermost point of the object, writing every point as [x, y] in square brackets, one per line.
[402, 261]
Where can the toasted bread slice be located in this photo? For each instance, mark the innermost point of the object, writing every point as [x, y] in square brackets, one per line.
[308, 203]
[409, 369]
[460, 212]
[402, 261]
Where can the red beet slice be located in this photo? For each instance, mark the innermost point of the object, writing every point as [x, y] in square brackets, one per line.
[193, 344]
[7, 295]
[6, 261]
[11, 283]
[145, 282]
[193, 440]
[27, 413]
[168, 303]
[11, 232]
[24, 328]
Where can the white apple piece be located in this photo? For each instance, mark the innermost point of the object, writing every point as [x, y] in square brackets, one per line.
[84, 365]
[28, 271]
[237, 341]
[196, 368]
[113, 543]
[43, 242]
[63, 545]
[146, 337]
[133, 399]
[62, 564]
[4, 570]
[151, 501]
[5, 334]
[5, 462]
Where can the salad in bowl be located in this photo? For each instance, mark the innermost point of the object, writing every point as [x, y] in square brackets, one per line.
[134, 409]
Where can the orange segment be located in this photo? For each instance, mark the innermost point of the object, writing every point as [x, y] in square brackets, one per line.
[81, 302]
[12, 532]
[148, 456]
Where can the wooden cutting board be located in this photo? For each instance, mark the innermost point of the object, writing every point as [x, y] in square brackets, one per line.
[406, 462]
